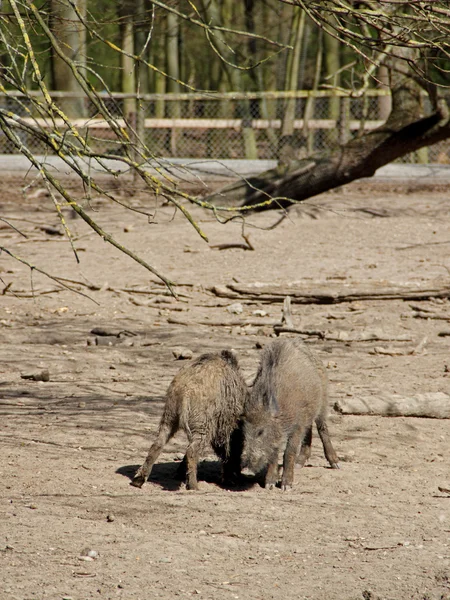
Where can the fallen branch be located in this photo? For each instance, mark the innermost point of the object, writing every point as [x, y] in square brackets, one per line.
[331, 293]
[400, 352]
[306, 332]
[365, 336]
[247, 246]
[430, 404]
[218, 323]
[419, 314]
[287, 323]
[34, 294]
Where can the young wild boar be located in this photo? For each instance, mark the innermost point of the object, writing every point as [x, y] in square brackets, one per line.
[289, 393]
[205, 399]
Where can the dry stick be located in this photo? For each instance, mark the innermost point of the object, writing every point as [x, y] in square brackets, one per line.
[53, 277]
[12, 227]
[307, 332]
[234, 323]
[420, 314]
[6, 288]
[286, 314]
[34, 293]
[62, 219]
[247, 246]
[280, 220]
[287, 323]
[96, 287]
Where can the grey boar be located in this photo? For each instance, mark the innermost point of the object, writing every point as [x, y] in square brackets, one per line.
[206, 400]
[289, 393]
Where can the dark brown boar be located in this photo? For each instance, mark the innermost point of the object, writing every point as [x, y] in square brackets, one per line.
[289, 394]
[205, 399]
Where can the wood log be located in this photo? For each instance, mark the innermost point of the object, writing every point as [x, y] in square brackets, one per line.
[334, 292]
[429, 404]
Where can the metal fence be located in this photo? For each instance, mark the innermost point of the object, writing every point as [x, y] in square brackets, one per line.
[220, 126]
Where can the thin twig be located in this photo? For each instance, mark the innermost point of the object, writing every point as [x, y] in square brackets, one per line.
[49, 275]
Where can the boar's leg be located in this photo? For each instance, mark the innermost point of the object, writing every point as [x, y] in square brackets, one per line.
[330, 453]
[192, 456]
[290, 454]
[166, 431]
[271, 477]
[305, 450]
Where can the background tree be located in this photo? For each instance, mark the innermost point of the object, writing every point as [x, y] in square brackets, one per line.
[69, 30]
[406, 40]
[239, 44]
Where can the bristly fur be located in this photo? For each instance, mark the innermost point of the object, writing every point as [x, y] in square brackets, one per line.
[206, 400]
[289, 393]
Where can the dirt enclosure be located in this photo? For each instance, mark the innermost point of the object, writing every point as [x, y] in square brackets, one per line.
[71, 526]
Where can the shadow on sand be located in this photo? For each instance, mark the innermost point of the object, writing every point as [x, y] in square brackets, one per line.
[167, 476]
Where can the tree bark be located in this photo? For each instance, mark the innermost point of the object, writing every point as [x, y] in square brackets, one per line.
[71, 35]
[432, 405]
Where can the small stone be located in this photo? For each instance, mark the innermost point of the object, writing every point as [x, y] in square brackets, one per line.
[182, 353]
[110, 518]
[236, 308]
[88, 554]
[43, 375]
[260, 313]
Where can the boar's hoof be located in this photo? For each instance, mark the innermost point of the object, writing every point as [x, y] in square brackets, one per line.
[286, 487]
[138, 481]
[335, 466]
[192, 487]
[270, 485]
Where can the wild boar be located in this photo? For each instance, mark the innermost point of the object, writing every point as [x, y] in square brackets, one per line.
[289, 394]
[206, 400]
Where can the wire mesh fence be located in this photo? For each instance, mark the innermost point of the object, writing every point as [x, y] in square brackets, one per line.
[271, 125]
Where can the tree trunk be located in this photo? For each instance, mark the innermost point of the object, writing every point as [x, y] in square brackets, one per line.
[128, 72]
[213, 14]
[71, 35]
[173, 70]
[332, 62]
[287, 151]
[405, 131]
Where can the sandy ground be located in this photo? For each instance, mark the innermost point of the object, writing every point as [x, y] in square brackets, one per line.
[379, 528]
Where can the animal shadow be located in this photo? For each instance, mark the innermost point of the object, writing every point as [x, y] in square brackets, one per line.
[169, 476]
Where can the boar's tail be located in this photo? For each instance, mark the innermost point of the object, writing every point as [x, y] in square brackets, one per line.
[230, 357]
